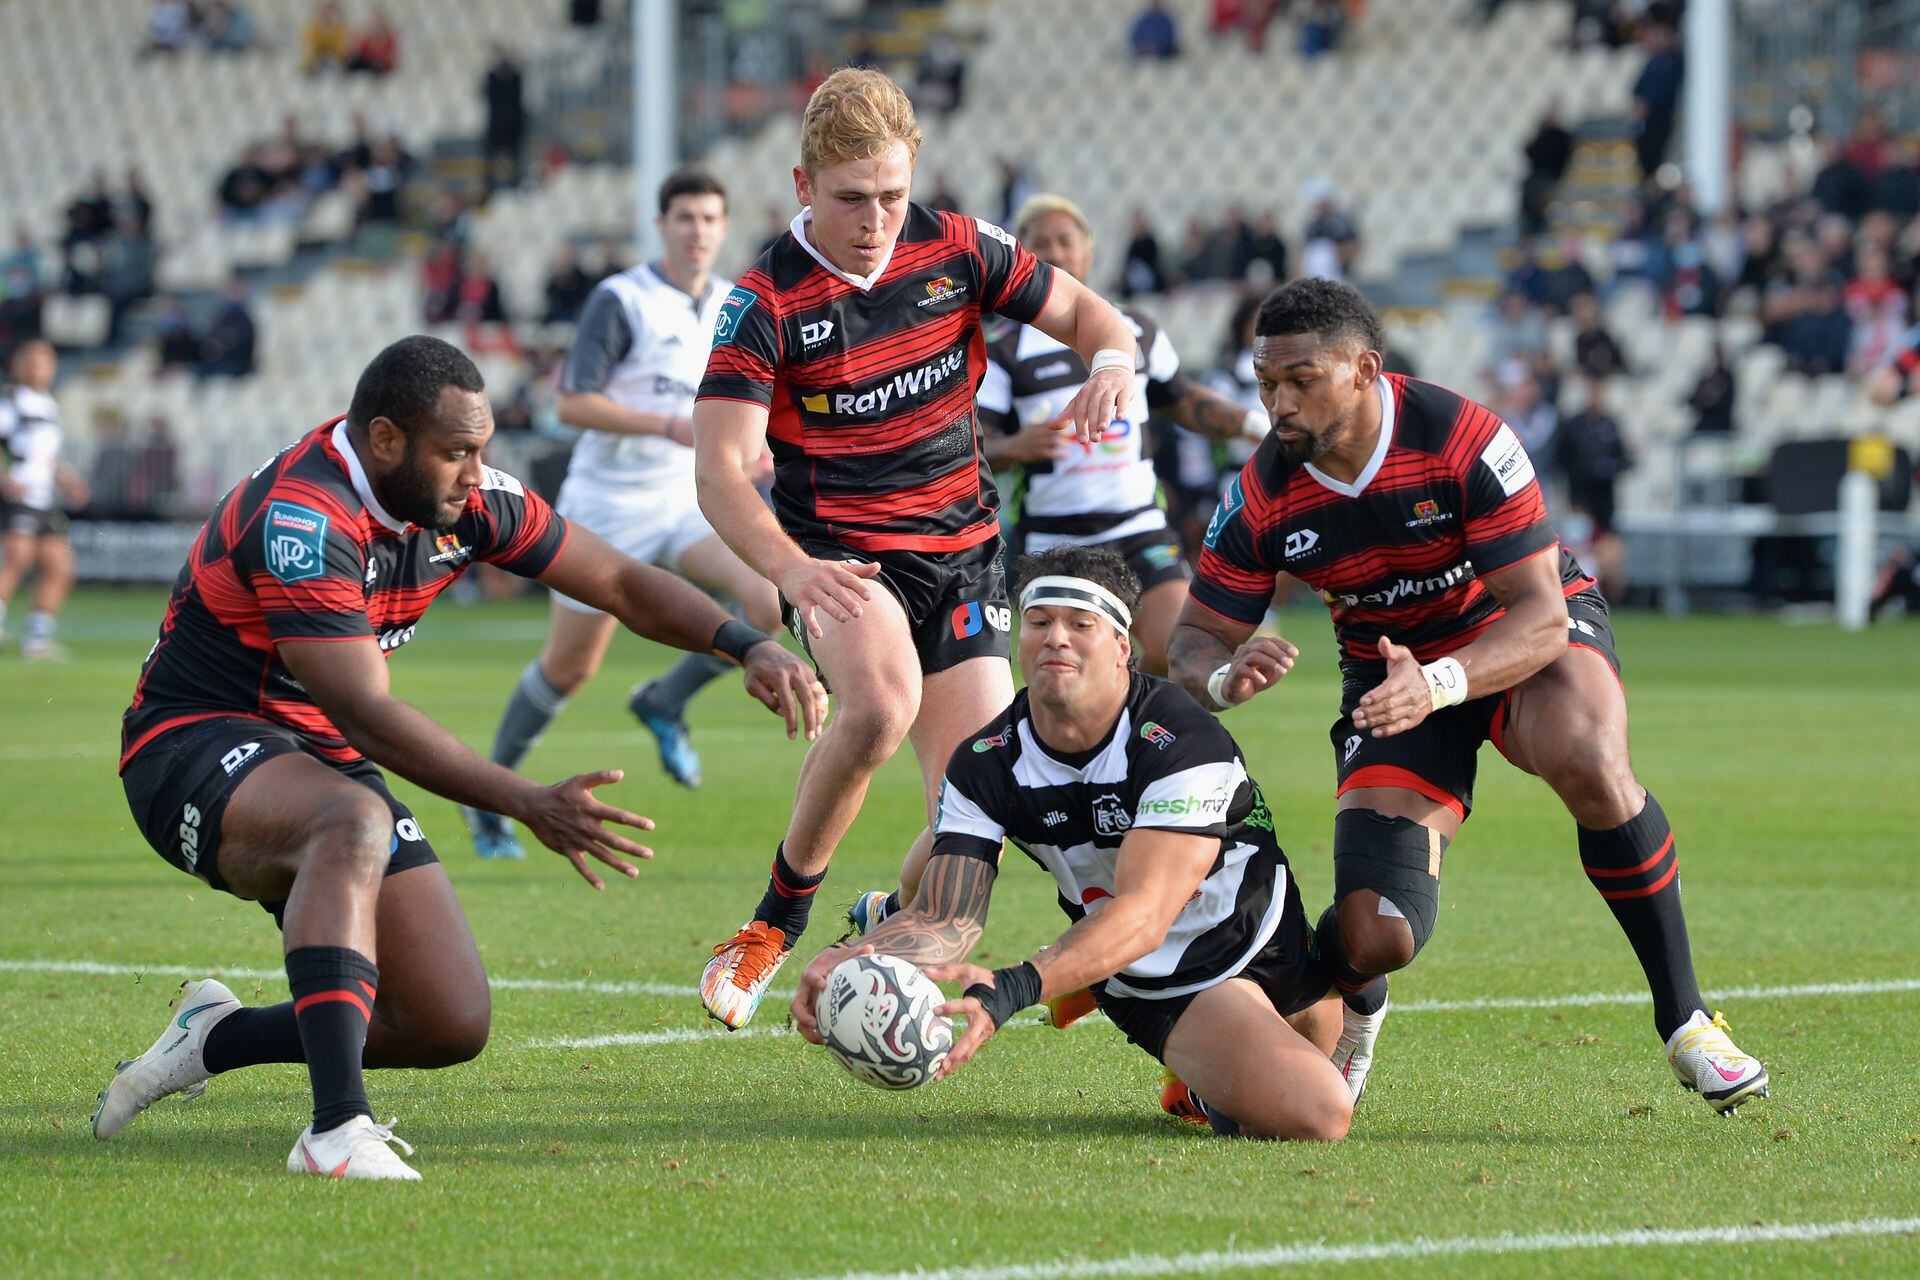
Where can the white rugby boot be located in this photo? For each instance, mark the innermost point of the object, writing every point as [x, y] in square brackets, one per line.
[1353, 1051]
[739, 972]
[357, 1149]
[1707, 1061]
[173, 1064]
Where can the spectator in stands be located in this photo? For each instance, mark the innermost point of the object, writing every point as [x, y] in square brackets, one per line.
[1876, 309]
[23, 286]
[127, 273]
[1713, 396]
[1802, 312]
[1140, 271]
[583, 14]
[942, 77]
[1231, 247]
[1196, 250]
[568, 285]
[117, 489]
[506, 138]
[158, 476]
[1332, 239]
[479, 295]
[177, 347]
[227, 350]
[1517, 332]
[1268, 248]
[90, 216]
[1869, 149]
[1759, 254]
[1897, 192]
[384, 182]
[325, 40]
[1688, 286]
[244, 188]
[1595, 352]
[1153, 36]
[1549, 152]
[1839, 186]
[941, 196]
[1591, 455]
[1521, 404]
[1322, 27]
[376, 49]
[170, 27]
[227, 28]
[440, 282]
[1595, 25]
[135, 203]
[1656, 94]
[1016, 188]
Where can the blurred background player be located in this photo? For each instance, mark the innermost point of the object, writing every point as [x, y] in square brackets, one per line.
[250, 752]
[853, 348]
[35, 484]
[1105, 494]
[1461, 619]
[629, 382]
[1186, 921]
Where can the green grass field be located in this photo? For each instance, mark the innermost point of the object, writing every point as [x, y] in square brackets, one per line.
[1532, 1131]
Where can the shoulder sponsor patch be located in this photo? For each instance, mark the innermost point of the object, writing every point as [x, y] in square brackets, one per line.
[732, 312]
[1231, 502]
[492, 478]
[1507, 458]
[296, 541]
[993, 232]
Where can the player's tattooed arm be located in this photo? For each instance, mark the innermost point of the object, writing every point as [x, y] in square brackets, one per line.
[947, 916]
[1206, 412]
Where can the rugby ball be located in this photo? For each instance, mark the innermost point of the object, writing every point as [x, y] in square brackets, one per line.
[876, 1014]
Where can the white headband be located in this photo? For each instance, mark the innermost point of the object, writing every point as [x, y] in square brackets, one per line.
[1078, 593]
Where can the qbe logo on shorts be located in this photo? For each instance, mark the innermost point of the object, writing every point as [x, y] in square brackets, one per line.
[296, 542]
[971, 618]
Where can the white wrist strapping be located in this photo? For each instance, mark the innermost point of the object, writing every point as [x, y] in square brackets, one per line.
[1217, 683]
[1110, 358]
[1447, 680]
[1257, 425]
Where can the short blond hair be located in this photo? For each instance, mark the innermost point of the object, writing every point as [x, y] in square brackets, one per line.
[853, 115]
[1039, 206]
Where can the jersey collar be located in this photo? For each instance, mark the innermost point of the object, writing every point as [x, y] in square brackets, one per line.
[1372, 469]
[358, 474]
[35, 404]
[863, 283]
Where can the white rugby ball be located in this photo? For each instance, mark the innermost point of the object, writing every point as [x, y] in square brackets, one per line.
[876, 1014]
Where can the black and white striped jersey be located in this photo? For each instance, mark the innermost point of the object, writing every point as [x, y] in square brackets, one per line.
[1165, 764]
[1099, 491]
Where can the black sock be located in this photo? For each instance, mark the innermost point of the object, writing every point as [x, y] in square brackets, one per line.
[333, 993]
[1636, 870]
[788, 899]
[248, 1037]
[1363, 993]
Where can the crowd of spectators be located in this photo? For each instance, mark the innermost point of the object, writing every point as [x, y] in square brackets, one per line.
[1240, 247]
[177, 26]
[278, 179]
[328, 43]
[1320, 25]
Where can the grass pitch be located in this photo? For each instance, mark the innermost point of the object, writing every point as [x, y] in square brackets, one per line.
[1520, 1120]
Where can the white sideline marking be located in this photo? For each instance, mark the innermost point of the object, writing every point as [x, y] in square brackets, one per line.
[225, 971]
[1287, 1255]
[1640, 997]
[675, 1035]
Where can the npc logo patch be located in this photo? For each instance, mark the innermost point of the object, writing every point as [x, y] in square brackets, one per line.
[732, 312]
[1230, 502]
[1159, 735]
[296, 542]
[999, 739]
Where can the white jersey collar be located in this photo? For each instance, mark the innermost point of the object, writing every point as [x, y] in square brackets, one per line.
[1372, 469]
[36, 404]
[358, 474]
[863, 283]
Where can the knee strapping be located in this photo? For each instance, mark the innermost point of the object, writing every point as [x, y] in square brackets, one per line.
[1397, 858]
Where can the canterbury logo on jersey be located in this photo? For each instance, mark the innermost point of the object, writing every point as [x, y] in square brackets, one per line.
[1406, 588]
[901, 386]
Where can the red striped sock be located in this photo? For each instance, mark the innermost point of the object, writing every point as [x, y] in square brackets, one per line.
[1636, 870]
[788, 900]
[333, 995]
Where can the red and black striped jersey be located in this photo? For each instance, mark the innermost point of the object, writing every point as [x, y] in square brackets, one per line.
[1448, 495]
[869, 385]
[302, 550]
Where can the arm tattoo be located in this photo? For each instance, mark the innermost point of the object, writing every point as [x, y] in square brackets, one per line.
[1209, 413]
[947, 916]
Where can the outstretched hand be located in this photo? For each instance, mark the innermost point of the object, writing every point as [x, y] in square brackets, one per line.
[567, 819]
[979, 1025]
[1105, 396]
[788, 687]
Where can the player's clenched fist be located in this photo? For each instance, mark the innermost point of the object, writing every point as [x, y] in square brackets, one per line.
[839, 588]
[1256, 665]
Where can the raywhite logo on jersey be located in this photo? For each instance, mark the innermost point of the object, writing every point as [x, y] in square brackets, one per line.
[812, 335]
[1407, 588]
[1301, 541]
[899, 387]
[1507, 458]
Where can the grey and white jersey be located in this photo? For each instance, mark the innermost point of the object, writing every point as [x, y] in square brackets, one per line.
[1166, 764]
[30, 436]
[1098, 492]
[643, 344]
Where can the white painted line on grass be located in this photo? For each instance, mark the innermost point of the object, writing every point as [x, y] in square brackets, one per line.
[499, 984]
[1640, 997]
[1301, 1255]
[674, 1035]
